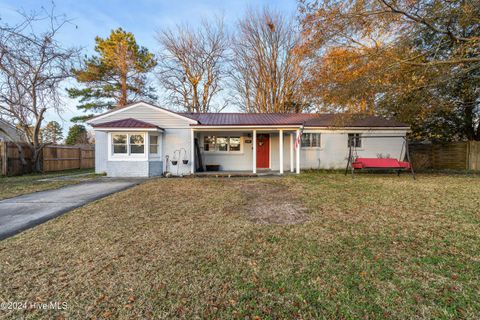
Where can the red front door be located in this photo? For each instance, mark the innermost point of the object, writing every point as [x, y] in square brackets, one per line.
[263, 151]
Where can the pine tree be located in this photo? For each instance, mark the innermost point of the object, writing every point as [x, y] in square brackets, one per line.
[77, 134]
[52, 132]
[116, 76]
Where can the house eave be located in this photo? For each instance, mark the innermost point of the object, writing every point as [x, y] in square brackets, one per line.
[127, 129]
[293, 127]
[133, 105]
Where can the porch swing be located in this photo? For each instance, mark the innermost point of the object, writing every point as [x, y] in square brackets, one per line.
[357, 163]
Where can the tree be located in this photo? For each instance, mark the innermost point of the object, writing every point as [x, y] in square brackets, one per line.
[267, 67]
[418, 61]
[192, 65]
[52, 132]
[118, 75]
[77, 134]
[33, 66]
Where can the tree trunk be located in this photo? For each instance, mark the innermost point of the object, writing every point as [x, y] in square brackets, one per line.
[195, 101]
[123, 94]
[37, 145]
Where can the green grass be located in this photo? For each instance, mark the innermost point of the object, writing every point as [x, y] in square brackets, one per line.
[18, 185]
[377, 246]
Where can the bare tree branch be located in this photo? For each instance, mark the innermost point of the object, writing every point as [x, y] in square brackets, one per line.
[267, 70]
[192, 65]
[32, 67]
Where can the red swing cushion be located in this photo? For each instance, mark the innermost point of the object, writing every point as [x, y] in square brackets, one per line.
[380, 163]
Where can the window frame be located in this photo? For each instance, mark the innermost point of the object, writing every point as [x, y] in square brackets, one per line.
[154, 154]
[216, 144]
[319, 146]
[113, 144]
[128, 156]
[357, 137]
[130, 144]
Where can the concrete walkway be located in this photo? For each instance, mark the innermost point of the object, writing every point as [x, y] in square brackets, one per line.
[23, 212]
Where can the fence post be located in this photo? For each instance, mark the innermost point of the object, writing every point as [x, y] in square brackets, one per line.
[469, 155]
[79, 157]
[3, 156]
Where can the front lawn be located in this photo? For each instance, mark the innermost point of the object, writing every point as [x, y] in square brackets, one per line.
[18, 185]
[318, 245]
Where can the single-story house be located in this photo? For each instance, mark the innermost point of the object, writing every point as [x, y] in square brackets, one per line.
[143, 140]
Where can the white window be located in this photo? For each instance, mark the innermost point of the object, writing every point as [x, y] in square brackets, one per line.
[128, 145]
[119, 142]
[154, 144]
[354, 140]
[222, 144]
[234, 143]
[311, 140]
[137, 143]
[209, 143]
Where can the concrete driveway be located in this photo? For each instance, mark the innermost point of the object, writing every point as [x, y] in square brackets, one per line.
[23, 212]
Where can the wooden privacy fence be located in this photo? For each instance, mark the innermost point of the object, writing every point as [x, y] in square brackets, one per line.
[54, 158]
[455, 155]
[59, 158]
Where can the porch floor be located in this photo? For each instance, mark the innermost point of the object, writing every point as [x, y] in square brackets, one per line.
[240, 173]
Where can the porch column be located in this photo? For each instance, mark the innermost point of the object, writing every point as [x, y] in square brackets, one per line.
[192, 151]
[297, 156]
[292, 169]
[280, 140]
[254, 155]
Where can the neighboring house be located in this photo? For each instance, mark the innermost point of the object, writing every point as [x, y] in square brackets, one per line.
[145, 140]
[9, 133]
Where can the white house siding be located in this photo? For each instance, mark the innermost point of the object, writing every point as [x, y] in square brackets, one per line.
[333, 153]
[148, 167]
[177, 140]
[230, 161]
[275, 154]
[163, 119]
[175, 137]
[243, 161]
[101, 151]
[127, 168]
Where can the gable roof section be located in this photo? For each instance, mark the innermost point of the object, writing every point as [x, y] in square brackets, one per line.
[126, 123]
[294, 119]
[136, 104]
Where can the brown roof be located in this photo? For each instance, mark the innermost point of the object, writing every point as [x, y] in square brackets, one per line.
[126, 123]
[307, 119]
[269, 119]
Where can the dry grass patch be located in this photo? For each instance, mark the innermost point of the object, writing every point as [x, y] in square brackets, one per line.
[374, 247]
[15, 186]
[270, 202]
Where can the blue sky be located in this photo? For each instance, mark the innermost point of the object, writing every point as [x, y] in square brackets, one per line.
[142, 17]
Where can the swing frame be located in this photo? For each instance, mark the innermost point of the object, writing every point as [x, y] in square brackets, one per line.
[407, 155]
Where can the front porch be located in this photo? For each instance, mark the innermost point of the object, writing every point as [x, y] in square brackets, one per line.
[240, 174]
[244, 151]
